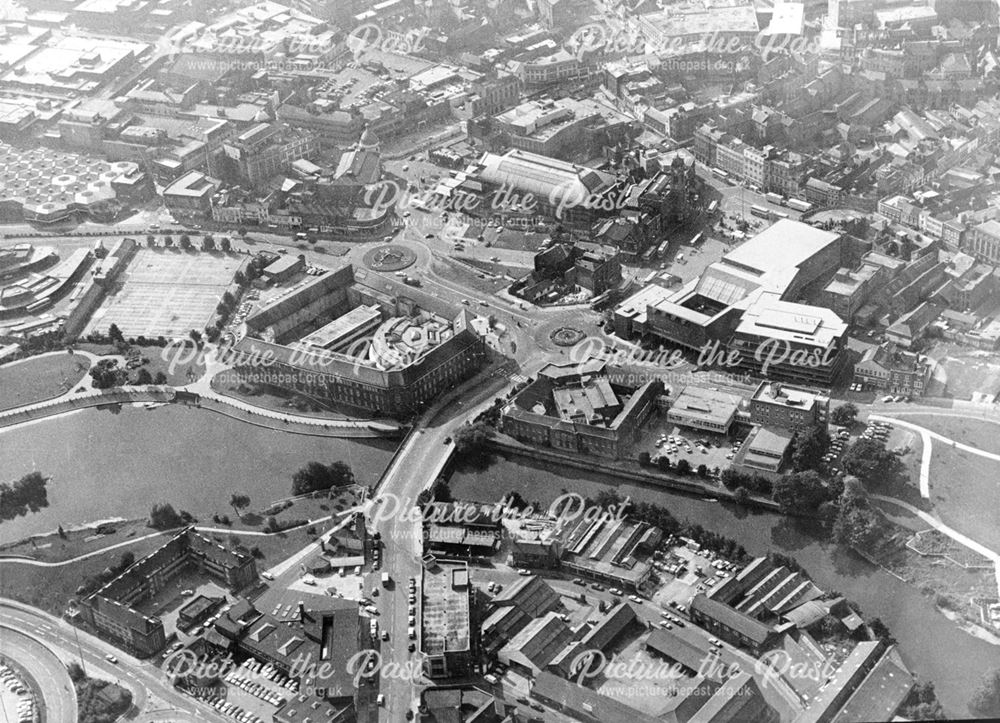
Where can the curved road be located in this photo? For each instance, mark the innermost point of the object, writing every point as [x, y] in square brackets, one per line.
[48, 672]
[149, 685]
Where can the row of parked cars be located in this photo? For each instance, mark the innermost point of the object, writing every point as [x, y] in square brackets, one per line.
[271, 673]
[877, 430]
[25, 700]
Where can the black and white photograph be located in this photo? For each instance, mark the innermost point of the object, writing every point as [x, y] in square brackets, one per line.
[499, 361]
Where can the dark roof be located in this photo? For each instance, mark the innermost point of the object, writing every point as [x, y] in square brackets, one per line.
[583, 703]
[731, 618]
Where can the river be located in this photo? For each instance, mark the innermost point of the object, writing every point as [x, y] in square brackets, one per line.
[933, 647]
[106, 464]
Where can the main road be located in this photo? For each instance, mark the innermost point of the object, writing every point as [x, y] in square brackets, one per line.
[152, 692]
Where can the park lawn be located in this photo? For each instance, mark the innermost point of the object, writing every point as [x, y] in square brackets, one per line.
[52, 548]
[42, 378]
[975, 432]
[467, 278]
[964, 491]
[51, 588]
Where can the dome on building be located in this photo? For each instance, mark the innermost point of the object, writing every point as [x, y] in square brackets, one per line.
[368, 141]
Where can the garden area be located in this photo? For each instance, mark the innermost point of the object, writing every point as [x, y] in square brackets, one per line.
[41, 378]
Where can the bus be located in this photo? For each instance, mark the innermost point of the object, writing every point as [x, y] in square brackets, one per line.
[661, 250]
[696, 239]
[776, 198]
[721, 174]
[760, 212]
[647, 256]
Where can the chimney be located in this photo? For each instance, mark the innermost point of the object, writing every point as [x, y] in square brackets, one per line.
[302, 612]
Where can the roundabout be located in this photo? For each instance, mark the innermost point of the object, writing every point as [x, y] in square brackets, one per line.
[391, 257]
[566, 336]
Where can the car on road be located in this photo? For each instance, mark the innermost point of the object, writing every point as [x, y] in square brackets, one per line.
[412, 647]
[491, 679]
[111, 659]
[635, 599]
[523, 573]
[578, 581]
[597, 586]
[380, 700]
[385, 635]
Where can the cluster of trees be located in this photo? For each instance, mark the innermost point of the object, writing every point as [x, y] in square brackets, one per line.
[683, 467]
[857, 523]
[472, 443]
[845, 415]
[99, 701]
[751, 483]
[163, 516]
[922, 704]
[27, 493]
[986, 700]
[809, 447]
[238, 502]
[870, 461]
[440, 491]
[807, 492]
[106, 374]
[318, 477]
[225, 305]
[273, 525]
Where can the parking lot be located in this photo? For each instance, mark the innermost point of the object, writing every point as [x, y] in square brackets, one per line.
[677, 443]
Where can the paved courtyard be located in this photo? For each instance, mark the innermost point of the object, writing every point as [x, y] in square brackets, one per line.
[166, 292]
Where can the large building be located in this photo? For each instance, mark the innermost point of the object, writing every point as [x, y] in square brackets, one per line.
[268, 149]
[774, 404]
[420, 348]
[709, 410]
[747, 288]
[576, 408]
[446, 627]
[523, 184]
[112, 609]
[779, 339]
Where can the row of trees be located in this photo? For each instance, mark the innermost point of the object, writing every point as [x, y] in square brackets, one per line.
[163, 516]
[208, 242]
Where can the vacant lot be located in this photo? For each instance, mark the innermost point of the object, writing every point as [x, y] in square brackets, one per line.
[38, 379]
[964, 489]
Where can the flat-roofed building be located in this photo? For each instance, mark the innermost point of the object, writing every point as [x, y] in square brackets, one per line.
[849, 290]
[191, 194]
[701, 408]
[787, 406]
[346, 329]
[764, 449]
[784, 340]
[445, 625]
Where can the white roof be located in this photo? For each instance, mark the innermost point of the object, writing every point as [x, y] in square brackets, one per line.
[773, 318]
[786, 244]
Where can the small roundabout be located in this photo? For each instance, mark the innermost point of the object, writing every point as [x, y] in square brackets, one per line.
[390, 257]
[566, 336]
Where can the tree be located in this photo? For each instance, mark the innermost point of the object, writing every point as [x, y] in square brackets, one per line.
[800, 492]
[240, 278]
[225, 244]
[683, 467]
[126, 561]
[239, 502]
[143, 376]
[644, 459]
[208, 243]
[106, 374]
[195, 337]
[76, 673]
[740, 495]
[160, 378]
[922, 704]
[870, 460]
[185, 242]
[663, 463]
[845, 414]
[115, 334]
[986, 700]
[168, 241]
[472, 442]
[228, 299]
[809, 447]
[316, 477]
[62, 532]
[731, 479]
[164, 517]
[151, 240]
[702, 471]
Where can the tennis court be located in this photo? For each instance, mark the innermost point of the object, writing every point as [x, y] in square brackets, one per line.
[166, 293]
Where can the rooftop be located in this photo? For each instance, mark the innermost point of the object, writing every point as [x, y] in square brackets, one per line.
[771, 318]
[445, 608]
[703, 404]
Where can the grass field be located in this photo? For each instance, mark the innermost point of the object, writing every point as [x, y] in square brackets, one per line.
[964, 491]
[976, 432]
[40, 379]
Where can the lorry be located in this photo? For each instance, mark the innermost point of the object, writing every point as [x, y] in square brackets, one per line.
[799, 205]
[774, 198]
[385, 579]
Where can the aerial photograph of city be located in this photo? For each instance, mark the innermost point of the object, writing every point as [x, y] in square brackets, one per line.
[499, 361]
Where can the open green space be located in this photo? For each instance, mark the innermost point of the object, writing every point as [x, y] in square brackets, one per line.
[975, 431]
[103, 463]
[73, 543]
[964, 490]
[45, 377]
